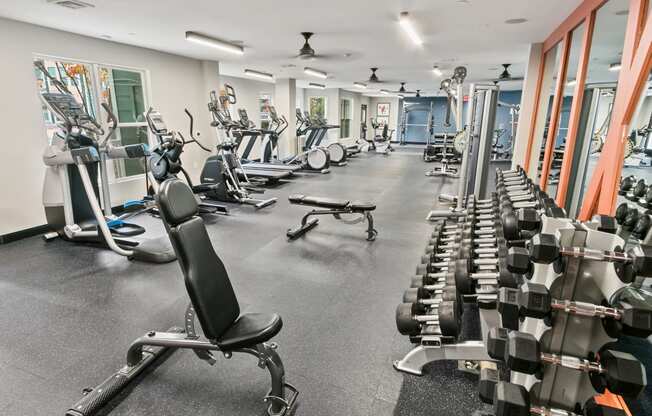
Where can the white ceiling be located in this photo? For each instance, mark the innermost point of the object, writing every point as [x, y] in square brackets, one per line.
[455, 32]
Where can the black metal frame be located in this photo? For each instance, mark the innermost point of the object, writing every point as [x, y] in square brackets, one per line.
[307, 225]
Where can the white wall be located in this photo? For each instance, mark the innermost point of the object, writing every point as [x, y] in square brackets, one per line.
[300, 98]
[248, 92]
[393, 113]
[175, 83]
[332, 108]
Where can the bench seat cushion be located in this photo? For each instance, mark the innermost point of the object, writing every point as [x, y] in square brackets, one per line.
[362, 206]
[318, 201]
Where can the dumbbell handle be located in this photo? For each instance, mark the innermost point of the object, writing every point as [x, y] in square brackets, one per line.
[476, 262]
[544, 411]
[574, 363]
[585, 309]
[599, 255]
[426, 318]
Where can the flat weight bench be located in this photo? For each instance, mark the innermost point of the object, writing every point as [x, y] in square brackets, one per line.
[334, 207]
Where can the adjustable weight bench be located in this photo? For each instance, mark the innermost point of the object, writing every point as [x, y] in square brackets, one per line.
[212, 302]
[336, 208]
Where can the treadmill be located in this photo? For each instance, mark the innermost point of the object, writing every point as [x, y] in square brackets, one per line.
[245, 131]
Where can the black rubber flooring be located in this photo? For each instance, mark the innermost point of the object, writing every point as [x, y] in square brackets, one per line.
[68, 312]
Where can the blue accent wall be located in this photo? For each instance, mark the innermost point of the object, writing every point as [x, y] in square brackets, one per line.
[419, 108]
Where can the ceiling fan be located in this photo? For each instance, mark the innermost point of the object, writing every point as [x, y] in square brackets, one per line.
[404, 91]
[374, 79]
[308, 53]
[506, 75]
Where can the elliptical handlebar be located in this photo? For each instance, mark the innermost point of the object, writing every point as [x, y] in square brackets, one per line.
[112, 119]
[192, 132]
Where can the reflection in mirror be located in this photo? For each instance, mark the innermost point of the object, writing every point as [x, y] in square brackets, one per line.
[564, 110]
[551, 69]
[601, 82]
[636, 178]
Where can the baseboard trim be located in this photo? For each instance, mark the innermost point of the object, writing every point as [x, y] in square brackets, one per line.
[26, 233]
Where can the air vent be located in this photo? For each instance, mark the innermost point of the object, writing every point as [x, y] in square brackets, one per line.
[71, 4]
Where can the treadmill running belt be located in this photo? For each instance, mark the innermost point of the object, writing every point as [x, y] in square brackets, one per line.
[261, 173]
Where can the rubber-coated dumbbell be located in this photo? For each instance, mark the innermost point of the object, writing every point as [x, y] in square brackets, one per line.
[617, 371]
[534, 300]
[411, 318]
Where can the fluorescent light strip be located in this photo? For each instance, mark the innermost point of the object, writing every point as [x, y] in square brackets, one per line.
[259, 74]
[315, 85]
[408, 28]
[214, 43]
[360, 85]
[615, 67]
[315, 73]
[384, 92]
[571, 83]
[437, 71]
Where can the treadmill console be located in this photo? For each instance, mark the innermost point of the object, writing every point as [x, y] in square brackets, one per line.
[66, 107]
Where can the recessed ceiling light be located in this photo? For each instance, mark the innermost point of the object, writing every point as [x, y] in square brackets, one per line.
[516, 21]
[622, 13]
[408, 28]
[315, 72]
[259, 74]
[214, 43]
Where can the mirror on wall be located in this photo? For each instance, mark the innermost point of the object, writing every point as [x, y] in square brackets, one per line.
[551, 68]
[570, 85]
[600, 89]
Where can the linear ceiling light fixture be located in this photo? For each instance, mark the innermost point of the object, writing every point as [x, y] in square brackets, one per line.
[437, 71]
[315, 85]
[315, 73]
[571, 82]
[615, 67]
[360, 85]
[214, 43]
[384, 92]
[408, 28]
[259, 74]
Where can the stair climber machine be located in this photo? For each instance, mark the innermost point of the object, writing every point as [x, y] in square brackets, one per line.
[225, 169]
[165, 160]
[338, 152]
[312, 158]
[247, 129]
[76, 177]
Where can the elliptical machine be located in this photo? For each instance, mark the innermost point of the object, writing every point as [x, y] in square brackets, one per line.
[76, 172]
[165, 161]
[311, 157]
[222, 169]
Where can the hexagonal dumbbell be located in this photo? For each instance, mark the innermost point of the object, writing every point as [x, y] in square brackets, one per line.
[632, 314]
[619, 372]
[545, 248]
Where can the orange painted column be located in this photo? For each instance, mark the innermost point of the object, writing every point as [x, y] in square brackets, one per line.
[576, 109]
[554, 112]
[636, 65]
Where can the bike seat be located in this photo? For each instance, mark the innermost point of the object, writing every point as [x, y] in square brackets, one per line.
[318, 201]
[249, 330]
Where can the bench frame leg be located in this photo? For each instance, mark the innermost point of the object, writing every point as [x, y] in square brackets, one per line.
[308, 223]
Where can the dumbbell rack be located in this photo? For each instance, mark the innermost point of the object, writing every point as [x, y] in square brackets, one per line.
[582, 281]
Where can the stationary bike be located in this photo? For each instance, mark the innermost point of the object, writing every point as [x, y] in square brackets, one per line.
[384, 139]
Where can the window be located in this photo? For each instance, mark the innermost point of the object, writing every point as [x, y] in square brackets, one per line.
[124, 91]
[65, 72]
[345, 118]
[318, 106]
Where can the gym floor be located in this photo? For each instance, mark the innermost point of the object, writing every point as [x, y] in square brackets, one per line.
[70, 311]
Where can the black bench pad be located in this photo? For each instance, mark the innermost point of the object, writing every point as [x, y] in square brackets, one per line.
[318, 201]
[362, 206]
[250, 329]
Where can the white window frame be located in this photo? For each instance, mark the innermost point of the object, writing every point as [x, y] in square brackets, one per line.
[95, 84]
[350, 115]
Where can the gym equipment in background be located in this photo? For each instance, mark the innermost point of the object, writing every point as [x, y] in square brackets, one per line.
[310, 157]
[213, 302]
[338, 153]
[380, 142]
[165, 161]
[335, 207]
[76, 176]
[224, 168]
